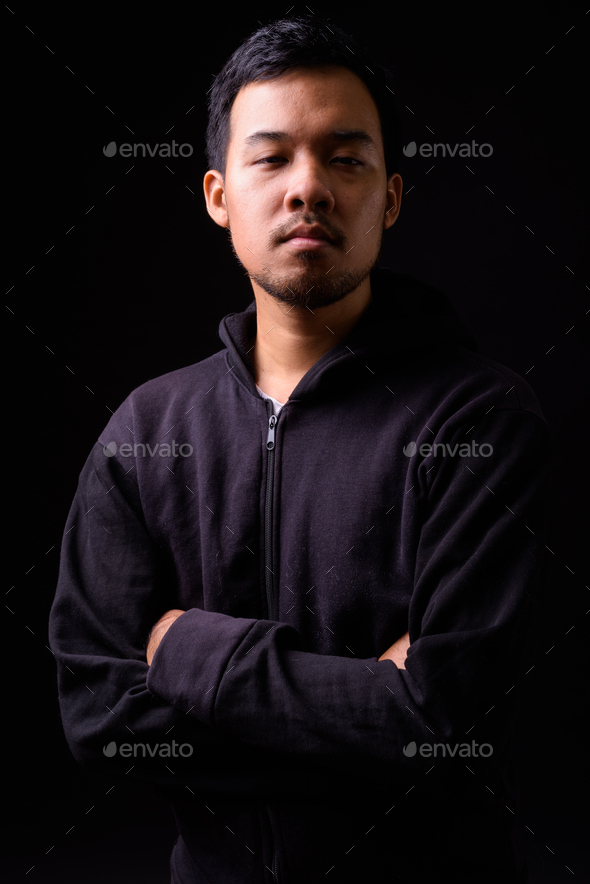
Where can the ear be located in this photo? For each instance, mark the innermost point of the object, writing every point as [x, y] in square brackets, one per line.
[394, 200]
[214, 189]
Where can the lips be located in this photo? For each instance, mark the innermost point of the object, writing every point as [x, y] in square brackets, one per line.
[309, 233]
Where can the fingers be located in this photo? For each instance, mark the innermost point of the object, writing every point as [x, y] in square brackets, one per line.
[398, 651]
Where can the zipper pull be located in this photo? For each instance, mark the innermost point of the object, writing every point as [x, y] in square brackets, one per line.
[270, 440]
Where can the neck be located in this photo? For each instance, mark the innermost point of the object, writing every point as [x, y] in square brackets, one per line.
[289, 341]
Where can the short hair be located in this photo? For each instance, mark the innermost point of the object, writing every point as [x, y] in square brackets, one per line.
[302, 41]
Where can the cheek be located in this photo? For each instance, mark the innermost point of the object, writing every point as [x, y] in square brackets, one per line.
[367, 214]
[370, 215]
[249, 210]
[374, 206]
[250, 215]
[360, 205]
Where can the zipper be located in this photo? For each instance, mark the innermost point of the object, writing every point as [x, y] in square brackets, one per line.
[270, 447]
[274, 840]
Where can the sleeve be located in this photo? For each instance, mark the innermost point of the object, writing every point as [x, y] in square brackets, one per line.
[480, 546]
[113, 585]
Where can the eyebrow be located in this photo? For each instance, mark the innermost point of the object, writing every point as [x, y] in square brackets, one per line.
[341, 136]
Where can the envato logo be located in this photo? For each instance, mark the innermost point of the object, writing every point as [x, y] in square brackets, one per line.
[162, 150]
[468, 449]
[138, 449]
[463, 150]
[464, 750]
[164, 750]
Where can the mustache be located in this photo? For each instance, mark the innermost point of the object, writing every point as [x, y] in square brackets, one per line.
[337, 236]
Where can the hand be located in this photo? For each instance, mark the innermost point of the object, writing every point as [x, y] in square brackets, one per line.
[159, 631]
[398, 651]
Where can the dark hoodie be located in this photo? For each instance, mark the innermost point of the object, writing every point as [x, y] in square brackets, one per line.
[301, 548]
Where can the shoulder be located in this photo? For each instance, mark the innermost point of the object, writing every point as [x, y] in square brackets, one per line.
[488, 378]
[159, 400]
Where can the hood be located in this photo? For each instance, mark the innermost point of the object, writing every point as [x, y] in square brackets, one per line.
[406, 318]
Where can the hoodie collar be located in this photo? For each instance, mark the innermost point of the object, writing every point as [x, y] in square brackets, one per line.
[404, 319]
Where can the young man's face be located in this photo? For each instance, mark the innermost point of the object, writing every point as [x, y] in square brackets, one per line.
[305, 175]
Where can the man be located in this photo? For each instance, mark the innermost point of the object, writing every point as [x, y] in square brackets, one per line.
[304, 619]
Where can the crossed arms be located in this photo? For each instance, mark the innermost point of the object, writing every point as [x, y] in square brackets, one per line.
[235, 682]
[396, 653]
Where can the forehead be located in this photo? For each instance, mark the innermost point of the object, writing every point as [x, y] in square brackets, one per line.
[304, 102]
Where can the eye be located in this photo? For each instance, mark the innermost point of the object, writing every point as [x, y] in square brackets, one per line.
[347, 161]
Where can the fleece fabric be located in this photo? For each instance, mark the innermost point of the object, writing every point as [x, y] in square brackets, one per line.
[404, 485]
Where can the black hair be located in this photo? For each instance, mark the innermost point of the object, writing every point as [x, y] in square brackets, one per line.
[302, 41]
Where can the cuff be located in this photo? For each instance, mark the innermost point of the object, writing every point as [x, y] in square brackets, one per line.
[192, 658]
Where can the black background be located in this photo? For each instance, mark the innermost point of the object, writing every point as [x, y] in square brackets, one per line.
[116, 274]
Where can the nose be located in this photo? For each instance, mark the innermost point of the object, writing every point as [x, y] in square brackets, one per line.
[308, 188]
